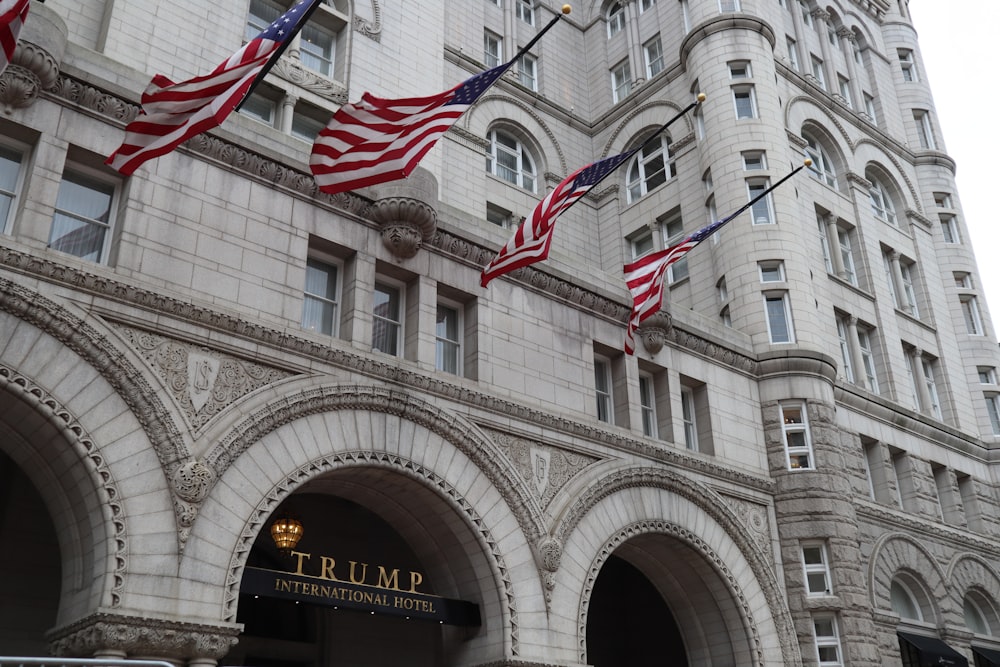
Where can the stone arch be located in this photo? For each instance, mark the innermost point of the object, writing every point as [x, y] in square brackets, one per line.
[875, 156]
[454, 516]
[653, 501]
[803, 112]
[895, 554]
[968, 573]
[643, 119]
[494, 109]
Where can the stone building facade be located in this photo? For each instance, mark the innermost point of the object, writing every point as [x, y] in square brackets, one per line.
[795, 467]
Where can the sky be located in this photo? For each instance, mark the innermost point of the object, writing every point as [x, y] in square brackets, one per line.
[956, 43]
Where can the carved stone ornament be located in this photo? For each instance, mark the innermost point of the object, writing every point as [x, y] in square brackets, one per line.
[292, 70]
[405, 213]
[654, 331]
[193, 480]
[146, 637]
[35, 64]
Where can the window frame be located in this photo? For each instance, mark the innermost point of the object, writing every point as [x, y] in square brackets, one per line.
[745, 110]
[491, 42]
[827, 641]
[822, 568]
[637, 181]
[647, 405]
[521, 155]
[525, 10]
[604, 396]
[398, 325]
[689, 418]
[822, 168]
[653, 55]
[881, 202]
[971, 314]
[621, 81]
[793, 427]
[527, 72]
[673, 233]
[441, 341]
[754, 187]
[615, 17]
[779, 296]
[333, 301]
[21, 151]
[95, 177]
[908, 65]
[949, 228]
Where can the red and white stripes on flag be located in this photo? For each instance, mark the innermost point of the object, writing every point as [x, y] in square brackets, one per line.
[12, 16]
[533, 237]
[172, 112]
[377, 140]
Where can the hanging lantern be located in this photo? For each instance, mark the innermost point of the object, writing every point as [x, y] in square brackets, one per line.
[286, 533]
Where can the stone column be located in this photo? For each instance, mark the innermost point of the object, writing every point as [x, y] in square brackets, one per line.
[857, 359]
[833, 241]
[820, 18]
[919, 379]
[288, 103]
[847, 45]
[896, 274]
[634, 43]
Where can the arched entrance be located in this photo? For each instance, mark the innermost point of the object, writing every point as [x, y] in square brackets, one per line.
[384, 574]
[657, 600]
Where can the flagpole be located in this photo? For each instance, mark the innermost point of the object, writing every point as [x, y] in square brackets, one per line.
[566, 9]
[767, 191]
[278, 53]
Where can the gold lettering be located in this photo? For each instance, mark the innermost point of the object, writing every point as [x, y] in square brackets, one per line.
[415, 580]
[300, 555]
[282, 585]
[364, 573]
[386, 580]
[368, 597]
[431, 605]
[314, 589]
[325, 590]
[326, 571]
[397, 602]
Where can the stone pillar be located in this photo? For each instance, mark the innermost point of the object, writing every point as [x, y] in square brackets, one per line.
[820, 17]
[288, 103]
[857, 359]
[919, 379]
[833, 241]
[634, 43]
[847, 46]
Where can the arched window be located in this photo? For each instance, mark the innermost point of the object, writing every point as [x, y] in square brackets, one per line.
[903, 601]
[979, 614]
[650, 168]
[822, 168]
[510, 160]
[881, 200]
[616, 18]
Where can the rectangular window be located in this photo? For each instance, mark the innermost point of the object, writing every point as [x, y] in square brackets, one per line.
[729, 5]
[963, 279]
[847, 255]
[744, 102]
[527, 72]
[654, 57]
[739, 69]
[10, 178]
[688, 416]
[771, 271]
[761, 211]
[909, 291]
[84, 216]
[754, 160]
[640, 243]
[824, 244]
[845, 91]
[316, 49]
[260, 107]
[949, 229]
[817, 569]
[448, 331]
[779, 320]
[870, 107]
[646, 4]
[602, 388]
[498, 216]
[795, 432]
[673, 233]
[874, 459]
[925, 133]
[987, 374]
[807, 18]
[308, 121]
[843, 336]
[907, 65]
[970, 501]
[261, 15]
[930, 373]
[526, 11]
[904, 479]
[868, 359]
[320, 306]
[970, 310]
[621, 81]
[942, 200]
[387, 324]
[492, 49]
[817, 72]
[647, 403]
[827, 640]
[793, 53]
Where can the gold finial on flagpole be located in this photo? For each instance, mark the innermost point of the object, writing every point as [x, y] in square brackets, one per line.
[700, 98]
[809, 162]
[566, 9]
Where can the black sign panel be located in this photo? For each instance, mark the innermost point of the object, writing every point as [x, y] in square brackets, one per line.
[341, 594]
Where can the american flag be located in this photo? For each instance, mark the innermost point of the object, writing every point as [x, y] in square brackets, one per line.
[378, 140]
[172, 112]
[12, 16]
[644, 277]
[533, 237]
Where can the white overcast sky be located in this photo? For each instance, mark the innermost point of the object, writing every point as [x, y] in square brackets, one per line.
[957, 41]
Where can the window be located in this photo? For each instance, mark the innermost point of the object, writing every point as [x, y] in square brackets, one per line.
[688, 416]
[387, 324]
[673, 233]
[949, 229]
[930, 370]
[721, 290]
[754, 160]
[907, 65]
[807, 19]
[260, 107]
[316, 49]
[868, 359]
[499, 217]
[881, 202]
[510, 160]
[831, 33]
[824, 244]
[646, 4]
[975, 619]
[903, 601]
[647, 403]
[760, 212]
[795, 432]
[726, 317]
[739, 69]
[925, 133]
[987, 374]
[615, 18]
[793, 53]
[526, 11]
[527, 72]
[602, 388]
[84, 218]
[650, 168]
[640, 243]
[771, 272]
[822, 168]
[847, 254]
[843, 334]
[970, 310]
[942, 200]
[320, 306]
[745, 102]
[621, 81]
[963, 279]
[906, 271]
[448, 338]
[10, 175]
[492, 49]
[817, 72]
[870, 107]
[308, 121]
[827, 640]
[654, 57]
[261, 15]
[817, 570]
[779, 321]
[729, 5]
[844, 86]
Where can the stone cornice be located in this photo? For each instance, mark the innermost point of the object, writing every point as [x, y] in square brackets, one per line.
[913, 525]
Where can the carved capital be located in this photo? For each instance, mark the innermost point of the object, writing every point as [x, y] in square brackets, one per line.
[405, 213]
[654, 331]
[103, 632]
